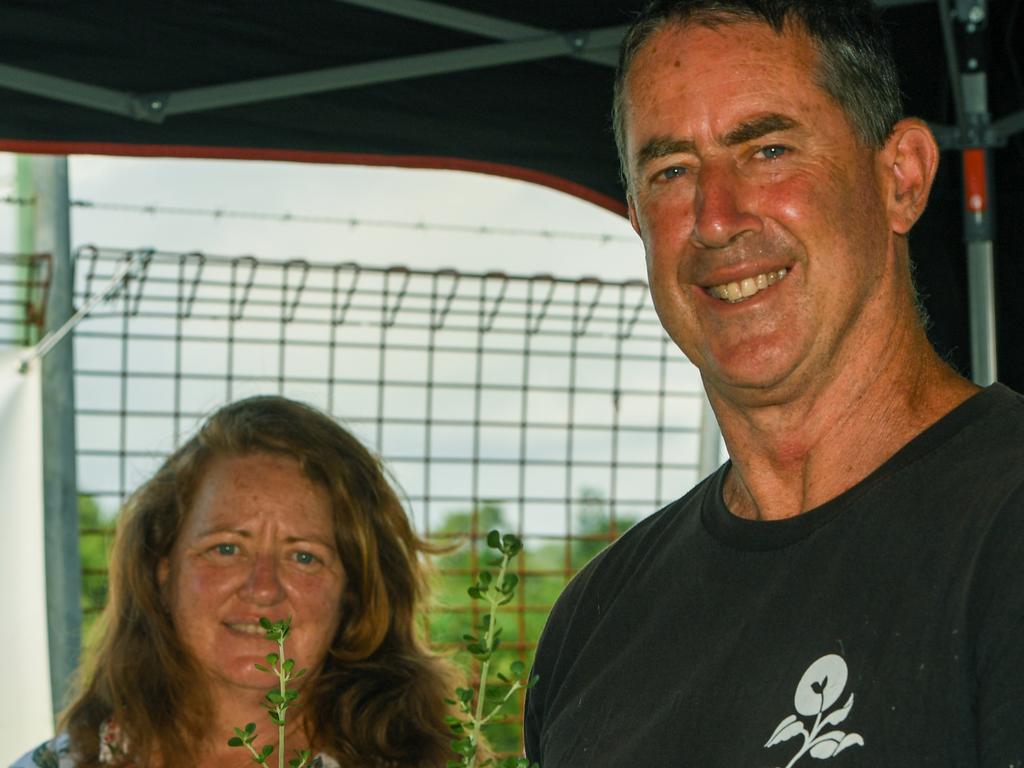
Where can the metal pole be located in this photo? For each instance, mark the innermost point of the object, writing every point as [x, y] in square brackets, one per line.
[710, 440]
[978, 192]
[60, 493]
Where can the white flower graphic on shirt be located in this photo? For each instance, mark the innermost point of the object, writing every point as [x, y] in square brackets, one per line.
[819, 689]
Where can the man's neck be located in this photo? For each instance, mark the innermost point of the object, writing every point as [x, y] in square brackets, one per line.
[790, 457]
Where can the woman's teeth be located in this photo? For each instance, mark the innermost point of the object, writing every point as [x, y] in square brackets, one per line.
[248, 629]
[747, 287]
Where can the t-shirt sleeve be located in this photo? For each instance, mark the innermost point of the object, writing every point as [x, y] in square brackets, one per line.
[544, 664]
[999, 659]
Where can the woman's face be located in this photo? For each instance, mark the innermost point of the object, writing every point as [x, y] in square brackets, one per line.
[257, 542]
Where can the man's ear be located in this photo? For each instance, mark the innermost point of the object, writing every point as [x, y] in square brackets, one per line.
[632, 215]
[909, 160]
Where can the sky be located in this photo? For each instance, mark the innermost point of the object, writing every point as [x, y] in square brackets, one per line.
[422, 219]
[405, 196]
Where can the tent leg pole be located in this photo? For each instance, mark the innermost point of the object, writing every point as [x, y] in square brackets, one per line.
[60, 492]
[979, 202]
[981, 293]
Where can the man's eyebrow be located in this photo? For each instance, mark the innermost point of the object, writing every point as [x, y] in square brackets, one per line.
[656, 148]
[746, 131]
[758, 127]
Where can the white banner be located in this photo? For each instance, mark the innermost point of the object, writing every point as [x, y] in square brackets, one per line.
[26, 717]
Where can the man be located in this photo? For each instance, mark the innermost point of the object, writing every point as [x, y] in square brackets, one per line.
[848, 587]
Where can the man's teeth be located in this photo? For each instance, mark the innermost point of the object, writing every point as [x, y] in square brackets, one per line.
[747, 287]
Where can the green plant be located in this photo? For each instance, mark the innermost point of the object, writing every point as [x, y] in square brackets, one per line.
[476, 711]
[278, 699]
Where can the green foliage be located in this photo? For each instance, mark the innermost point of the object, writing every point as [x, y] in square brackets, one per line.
[543, 572]
[278, 700]
[94, 550]
[477, 711]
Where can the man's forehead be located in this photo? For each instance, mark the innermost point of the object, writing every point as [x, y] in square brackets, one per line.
[705, 63]
[685, 42]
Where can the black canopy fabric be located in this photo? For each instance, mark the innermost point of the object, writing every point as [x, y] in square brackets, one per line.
[516, 88]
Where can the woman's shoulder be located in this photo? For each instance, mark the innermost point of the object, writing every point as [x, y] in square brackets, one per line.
[55, 753]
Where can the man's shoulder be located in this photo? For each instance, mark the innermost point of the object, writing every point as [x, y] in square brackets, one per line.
[988, 428]
[633, 551]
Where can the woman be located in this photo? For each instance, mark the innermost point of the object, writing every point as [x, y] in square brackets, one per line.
[271, 510]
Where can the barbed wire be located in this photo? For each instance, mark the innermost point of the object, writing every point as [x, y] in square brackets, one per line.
[349, 221]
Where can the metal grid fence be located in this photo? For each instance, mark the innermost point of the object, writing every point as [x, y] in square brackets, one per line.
[24, 283]
[555, 408]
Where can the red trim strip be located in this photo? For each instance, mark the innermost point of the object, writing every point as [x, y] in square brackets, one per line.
[32, 147]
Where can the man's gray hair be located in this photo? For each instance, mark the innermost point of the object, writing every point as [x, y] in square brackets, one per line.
[856, 66]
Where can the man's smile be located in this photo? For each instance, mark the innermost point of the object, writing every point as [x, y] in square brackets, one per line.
[742, 290]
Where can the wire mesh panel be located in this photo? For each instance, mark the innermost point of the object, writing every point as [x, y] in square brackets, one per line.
[553, 408]
[24, 280]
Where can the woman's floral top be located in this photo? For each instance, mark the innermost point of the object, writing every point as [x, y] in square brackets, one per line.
[56, 753]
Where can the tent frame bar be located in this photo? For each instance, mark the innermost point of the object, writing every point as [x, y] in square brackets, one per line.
[441, 15]
[155, 107]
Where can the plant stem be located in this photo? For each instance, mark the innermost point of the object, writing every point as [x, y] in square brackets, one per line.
[281, 688]
[492, 600]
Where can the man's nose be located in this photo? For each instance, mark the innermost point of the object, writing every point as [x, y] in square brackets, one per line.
[721, 206]
[262, 585]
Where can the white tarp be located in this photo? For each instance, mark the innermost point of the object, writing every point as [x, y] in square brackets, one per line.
[25, 709]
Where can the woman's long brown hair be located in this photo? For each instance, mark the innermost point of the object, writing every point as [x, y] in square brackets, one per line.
[379, 696]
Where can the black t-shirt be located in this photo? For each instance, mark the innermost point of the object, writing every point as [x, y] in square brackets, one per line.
[884, 628]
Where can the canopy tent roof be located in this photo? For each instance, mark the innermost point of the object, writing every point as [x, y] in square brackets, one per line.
[521, 89]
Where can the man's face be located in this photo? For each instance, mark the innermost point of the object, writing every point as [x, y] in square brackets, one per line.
[761, 214]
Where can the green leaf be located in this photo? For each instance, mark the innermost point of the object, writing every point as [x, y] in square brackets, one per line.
[511, 545]
[494, 539]
[261, 668]
[271, 659]
[266, 623]
[517, 669]
[250, 728]
[509, 582]
[234, 741]
[267, 750]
